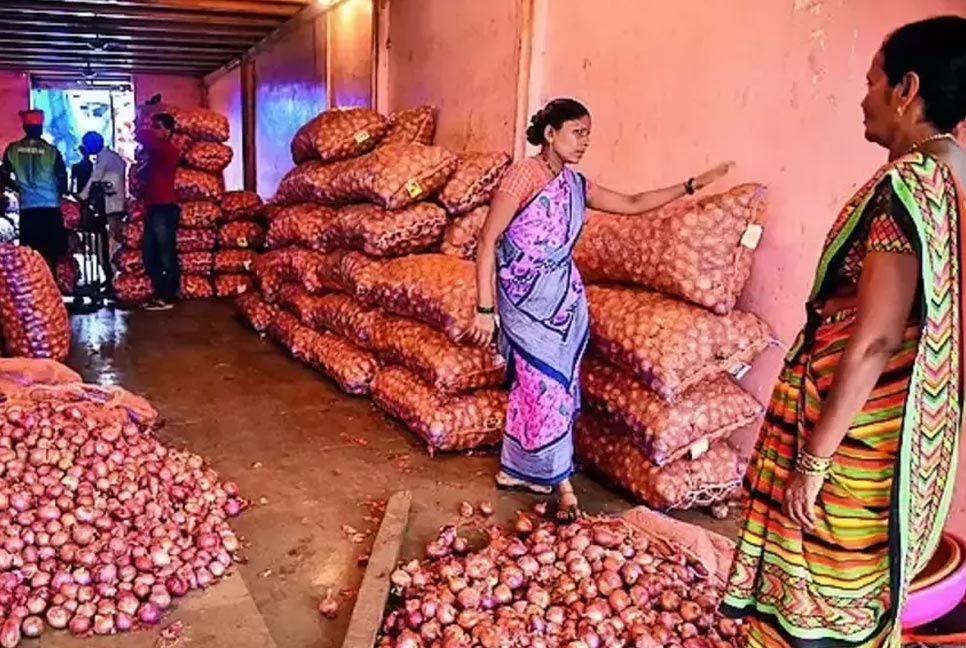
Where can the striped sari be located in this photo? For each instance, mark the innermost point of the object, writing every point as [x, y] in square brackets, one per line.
[881, 512]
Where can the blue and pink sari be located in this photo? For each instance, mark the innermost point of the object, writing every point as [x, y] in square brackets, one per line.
[544, 329]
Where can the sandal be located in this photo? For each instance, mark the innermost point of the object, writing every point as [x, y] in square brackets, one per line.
[568, 508]
[505, 482]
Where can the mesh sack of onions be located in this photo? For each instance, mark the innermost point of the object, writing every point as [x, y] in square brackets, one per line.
[474, 182]
[462, 235]
[234, 261]
[355, 274]
[196, 239]
[296, 300]
[432, 288]
[182, 143]
[132, 234]
[396, 176]
[305, 225]
[272, 271]
[131, 526]
[199, 214]
[283, 328]
[349, 366]
[446, 423]
[310, 182]
[699, 251]
[339, 134]
[448, 367]
[128, 261]
[342, 315]
[595, 582]
[136, 211]
[380, 232]
[411, 126]
[198, 263]
[271, 210]
[196, 286]
[208, 156]
[241, 235]
[201, 125]
[33, 318]
[229, 285]
[67, 274]
[711, 478]
[70, 211]
[24, 372]
[193, 185]
[133, 288]
[241, 205]
[135, 184]
[712, 409]
[667, 344]
[256, 311]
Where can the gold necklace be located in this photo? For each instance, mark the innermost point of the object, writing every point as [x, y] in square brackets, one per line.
[549, 166]
[935, 137]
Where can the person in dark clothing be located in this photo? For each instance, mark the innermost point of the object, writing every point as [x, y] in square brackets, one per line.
[36, 171]
[80, 173]
[163, 212]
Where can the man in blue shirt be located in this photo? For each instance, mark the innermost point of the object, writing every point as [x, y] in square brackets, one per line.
[36, 171]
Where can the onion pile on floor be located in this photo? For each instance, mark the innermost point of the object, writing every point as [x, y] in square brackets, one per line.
[595, 583]
[103, 525]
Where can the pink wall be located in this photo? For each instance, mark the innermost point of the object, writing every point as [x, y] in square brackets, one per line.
[224, 96]
[350, 53]
[461, 56]
[177, 90]
[290, 90]
[14, 97]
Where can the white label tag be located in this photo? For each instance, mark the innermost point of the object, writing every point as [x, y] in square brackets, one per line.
[698, 448]
[740, 371]
[752, 236]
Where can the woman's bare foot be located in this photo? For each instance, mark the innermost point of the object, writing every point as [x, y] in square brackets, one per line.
[506, 482]
[567, 505]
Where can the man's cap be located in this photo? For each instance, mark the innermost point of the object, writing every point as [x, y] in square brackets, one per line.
[32, 117]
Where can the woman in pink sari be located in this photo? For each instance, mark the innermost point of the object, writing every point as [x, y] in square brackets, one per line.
[526, 275]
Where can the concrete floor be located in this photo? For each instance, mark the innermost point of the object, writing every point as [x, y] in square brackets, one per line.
[310, 458]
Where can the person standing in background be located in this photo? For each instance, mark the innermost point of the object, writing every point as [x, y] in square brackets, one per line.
[80, 173]
[163, 211]
[37, 172]
[106, 182]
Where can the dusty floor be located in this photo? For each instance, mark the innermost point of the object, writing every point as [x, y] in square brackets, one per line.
[308, 456]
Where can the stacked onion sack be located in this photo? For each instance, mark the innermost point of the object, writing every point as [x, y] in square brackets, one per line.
[352, 282]
[241, 235]
[103, 526]
[33, 318]
[659, 391]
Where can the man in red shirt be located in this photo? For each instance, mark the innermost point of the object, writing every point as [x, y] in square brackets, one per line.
[163, 212]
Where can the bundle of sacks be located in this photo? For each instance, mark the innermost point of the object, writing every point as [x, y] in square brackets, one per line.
[212, 222]
[33, 318]
[659, 391]
[352, 282]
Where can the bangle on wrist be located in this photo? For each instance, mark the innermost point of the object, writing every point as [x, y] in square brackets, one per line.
[486, 310]
[689, 187]
[808, 464]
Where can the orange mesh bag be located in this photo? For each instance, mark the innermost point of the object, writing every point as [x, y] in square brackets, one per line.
[196, 239]
[193, 185]
[667, 344]
[708, 411]
[195, 286]
[306, 225]
[432, 288]
[24, 372]
[396, 176]
[358, 274]
[411, 126]
[272, 271]
[33, 318]
[132, 234]
[67, 274]
[199, 214]
[609, 450]
[293, 298]
[128, 261]
[462, 235]
[197, 263]
[474, 182]
[449, 368]
[133, 288]
[379, 232]
[271, 210]
[311, 182]
[234, 261]
[349, 366]
[241, 235]
[229, 285]
[256, 311]
[182, 143]
[343, 316]
[70, 212]
[241, 205]
[209, 156]
[339, 134]
[474, 420]
[201, 125]
[284, 328]
[136, 210]
[699, 251]
[135, 185]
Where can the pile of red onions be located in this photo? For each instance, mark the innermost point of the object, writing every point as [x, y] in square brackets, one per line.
[101, 526]
[590, 584]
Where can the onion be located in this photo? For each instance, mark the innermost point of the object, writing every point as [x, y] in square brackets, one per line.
[123, 621]
[149, 613]
[103, 624]
[57, 617]
[80, 625]
[486, 508]
[468, 598]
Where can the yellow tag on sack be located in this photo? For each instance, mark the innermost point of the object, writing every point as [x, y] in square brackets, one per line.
[752, 236]
[414, 189]
[242, 242]
[361, 137]
[698, 448]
